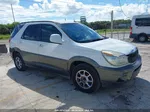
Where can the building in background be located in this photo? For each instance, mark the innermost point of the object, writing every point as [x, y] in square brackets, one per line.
[82, 19]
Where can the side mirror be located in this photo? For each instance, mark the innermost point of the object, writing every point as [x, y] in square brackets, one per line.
[56, 38]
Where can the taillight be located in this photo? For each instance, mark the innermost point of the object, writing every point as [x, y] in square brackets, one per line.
[130, 30]
[9, 40]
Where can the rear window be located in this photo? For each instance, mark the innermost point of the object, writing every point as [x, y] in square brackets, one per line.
[142, 22]
[16, 29]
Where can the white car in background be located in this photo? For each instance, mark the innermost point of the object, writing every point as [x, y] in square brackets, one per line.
[140, 28]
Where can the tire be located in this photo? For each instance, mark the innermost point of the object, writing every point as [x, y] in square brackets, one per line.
[19, 62]
[79, 77]
[142, 38]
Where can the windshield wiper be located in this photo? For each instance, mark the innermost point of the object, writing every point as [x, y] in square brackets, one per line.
[96, 39]
[92, 40]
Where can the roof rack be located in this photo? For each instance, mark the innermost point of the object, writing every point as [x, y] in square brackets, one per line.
[142, 15]
[37, 21]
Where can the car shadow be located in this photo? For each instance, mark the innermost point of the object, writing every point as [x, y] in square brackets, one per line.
[111, 96]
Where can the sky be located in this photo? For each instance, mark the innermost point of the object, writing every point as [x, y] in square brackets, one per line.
[70, 10]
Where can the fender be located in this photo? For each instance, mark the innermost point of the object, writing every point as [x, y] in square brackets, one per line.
[83, 59]
[11, 50]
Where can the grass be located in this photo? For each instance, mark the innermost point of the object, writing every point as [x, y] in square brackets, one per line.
[102, 31]
[4, 37]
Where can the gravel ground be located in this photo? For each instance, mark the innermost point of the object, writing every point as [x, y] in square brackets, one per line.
[37, 89]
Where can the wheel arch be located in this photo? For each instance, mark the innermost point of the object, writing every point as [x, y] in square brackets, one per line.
[15, 51]
[80, 59]
[143, 34]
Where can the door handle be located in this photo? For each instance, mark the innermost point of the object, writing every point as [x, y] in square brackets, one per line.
[41, 45]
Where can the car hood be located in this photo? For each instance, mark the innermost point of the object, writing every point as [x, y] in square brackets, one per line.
[110, 44]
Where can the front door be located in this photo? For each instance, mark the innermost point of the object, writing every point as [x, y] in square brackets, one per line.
[51, 54]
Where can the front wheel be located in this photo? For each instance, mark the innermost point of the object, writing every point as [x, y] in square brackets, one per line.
[86, 78]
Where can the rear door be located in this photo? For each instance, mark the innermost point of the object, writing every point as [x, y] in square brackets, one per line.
[29, 43]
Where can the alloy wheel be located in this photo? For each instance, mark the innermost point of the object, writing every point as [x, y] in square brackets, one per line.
[84, 79]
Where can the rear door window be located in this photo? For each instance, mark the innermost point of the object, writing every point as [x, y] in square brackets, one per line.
[32, 32]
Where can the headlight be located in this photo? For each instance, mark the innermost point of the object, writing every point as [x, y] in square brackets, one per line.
[115, 58]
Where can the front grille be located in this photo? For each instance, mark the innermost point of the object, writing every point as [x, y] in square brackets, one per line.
[133, 56]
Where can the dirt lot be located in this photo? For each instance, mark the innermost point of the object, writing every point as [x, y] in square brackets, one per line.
[39, 89]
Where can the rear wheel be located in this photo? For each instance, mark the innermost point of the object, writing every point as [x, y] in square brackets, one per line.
[19, 62]
[86, 78]
[142, 38]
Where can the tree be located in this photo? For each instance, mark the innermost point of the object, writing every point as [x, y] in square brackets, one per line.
[7, 28]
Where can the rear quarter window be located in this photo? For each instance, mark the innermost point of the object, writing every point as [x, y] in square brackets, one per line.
[16, 30]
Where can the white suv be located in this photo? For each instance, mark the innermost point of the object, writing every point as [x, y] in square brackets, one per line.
[75, 51]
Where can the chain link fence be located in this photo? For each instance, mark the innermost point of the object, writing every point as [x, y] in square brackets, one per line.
[120, 32]
[120, 35]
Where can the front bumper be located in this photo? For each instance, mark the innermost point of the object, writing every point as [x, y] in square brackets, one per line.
[120, 74]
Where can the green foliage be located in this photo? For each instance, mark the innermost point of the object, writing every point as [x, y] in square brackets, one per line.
[103, 31]
[106, 24]
[7, 28]
[4, 36]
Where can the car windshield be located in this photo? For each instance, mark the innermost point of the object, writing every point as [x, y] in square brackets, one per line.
[80, 33]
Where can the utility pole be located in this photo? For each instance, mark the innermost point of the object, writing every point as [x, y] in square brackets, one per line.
[12, 12]
[112, 23]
